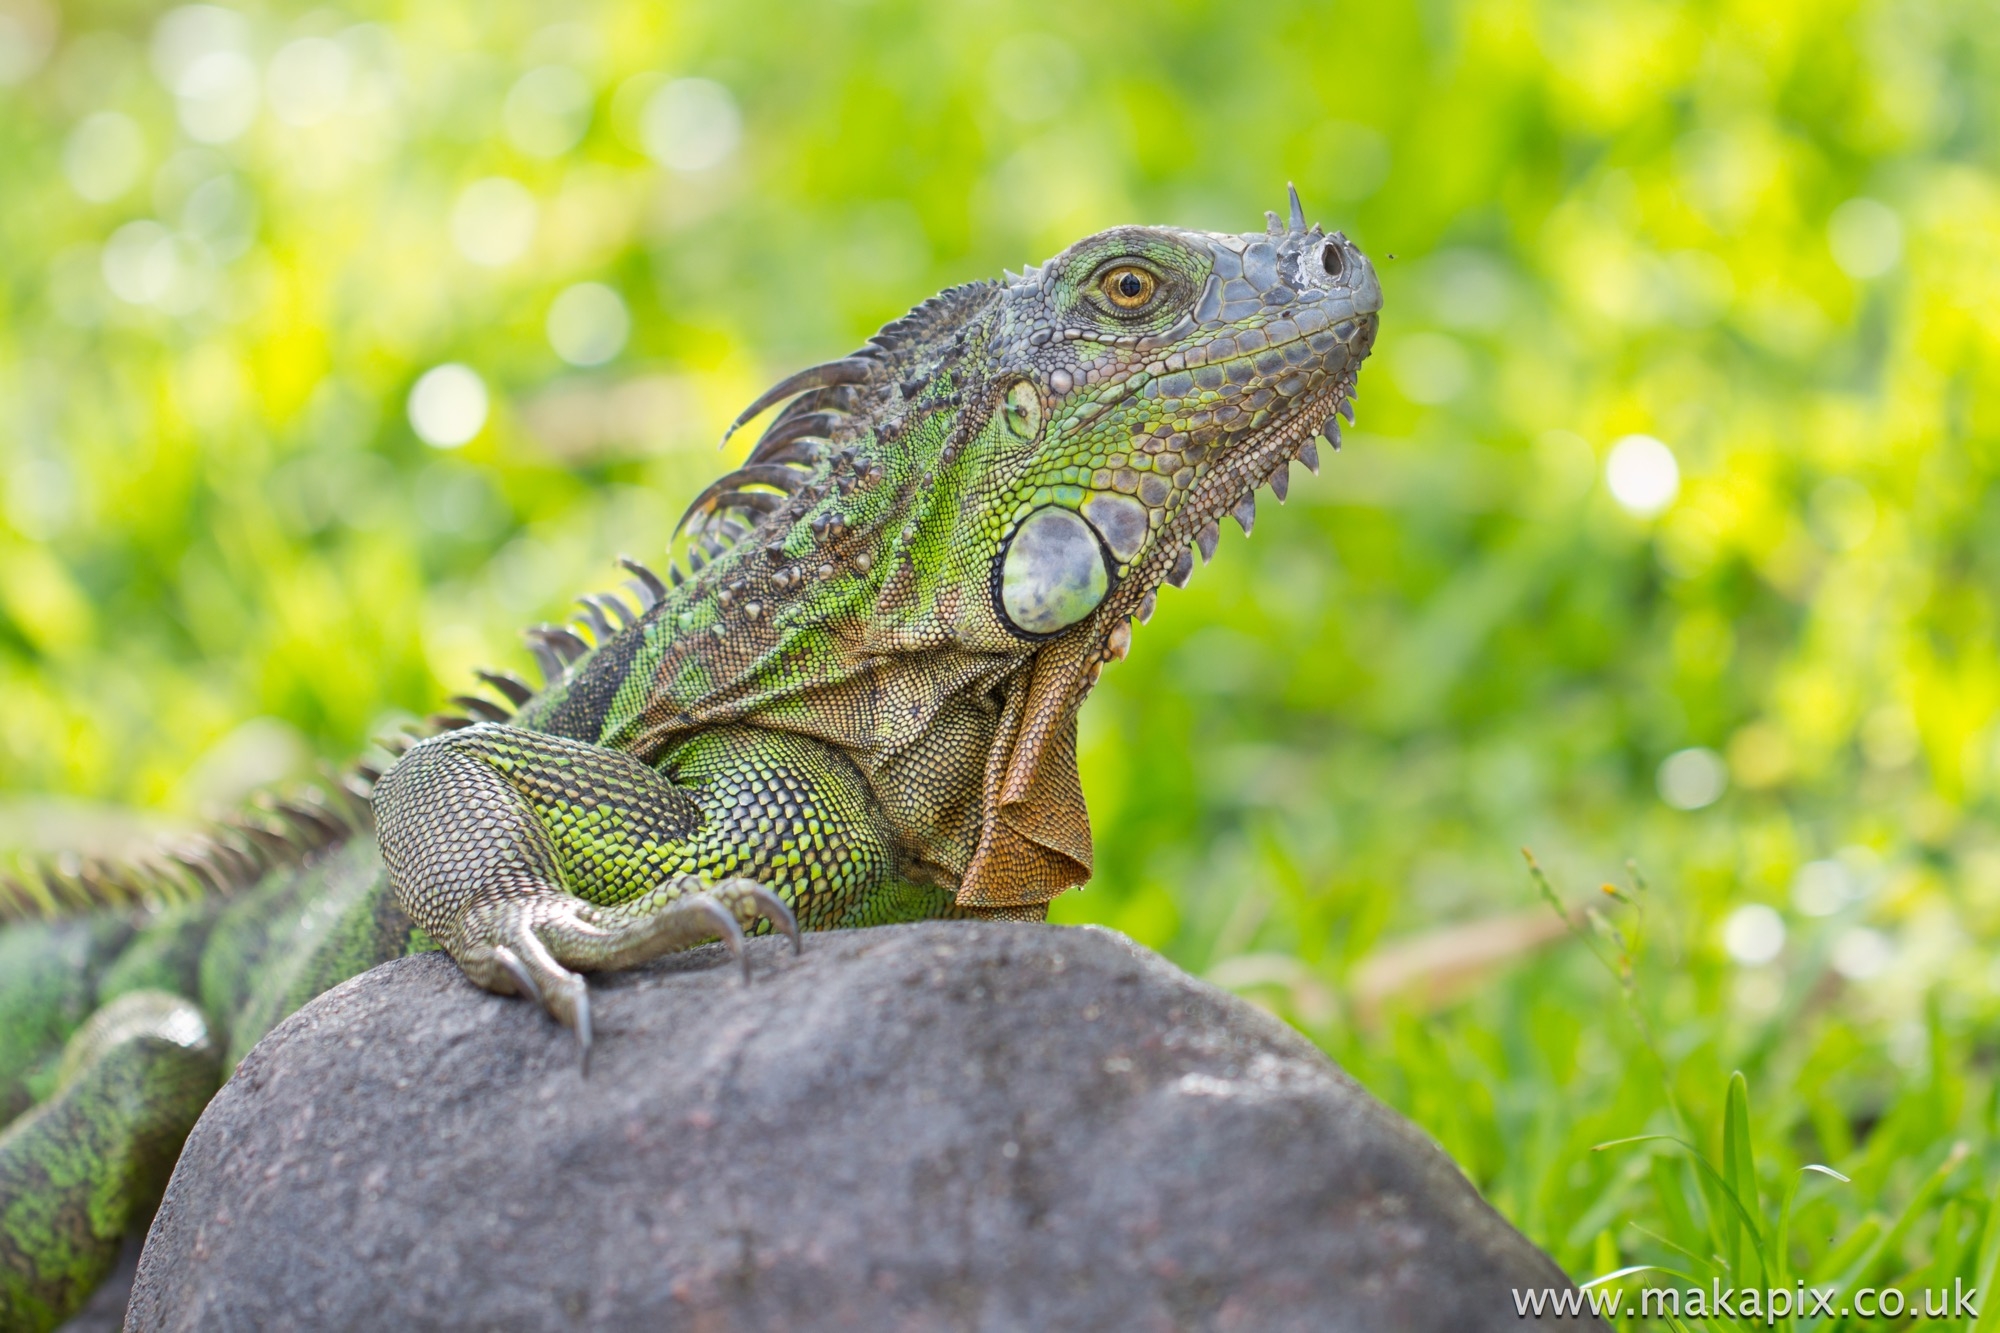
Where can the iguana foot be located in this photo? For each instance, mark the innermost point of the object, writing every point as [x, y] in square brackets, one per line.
[531, 858]
[532, 938]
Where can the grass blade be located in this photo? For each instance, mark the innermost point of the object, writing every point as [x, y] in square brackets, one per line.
[1739, 1167]
[1988, 1270]
[1705, 1170]
[1918, 1206]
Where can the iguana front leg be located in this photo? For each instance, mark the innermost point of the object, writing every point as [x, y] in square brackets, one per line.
[531, 857]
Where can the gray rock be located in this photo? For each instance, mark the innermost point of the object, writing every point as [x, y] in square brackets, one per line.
[944, 1126]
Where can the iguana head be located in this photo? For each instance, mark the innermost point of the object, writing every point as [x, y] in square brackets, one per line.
[941, 538]
[1138, 387]
[1062, 442]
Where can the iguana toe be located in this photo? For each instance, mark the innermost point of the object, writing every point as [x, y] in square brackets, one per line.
[513, 957]
[752, 902]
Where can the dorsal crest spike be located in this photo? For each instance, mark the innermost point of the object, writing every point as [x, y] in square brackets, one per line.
[513, 687]
[1298, 209]
[829, 375]
[593, 615]
[647, 579]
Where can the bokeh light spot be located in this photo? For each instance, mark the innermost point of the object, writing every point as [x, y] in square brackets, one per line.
[448, 405]
[1866, 238]
[548, 110]
[691, 125]
[185, 36]
[103, 156]
[493, 221]
[307, 81]
[146, 264]
[1642, 475]
[1754, 934]
[588, 324]
[222, 214]
[1862, 953]
[138, 262]
[1692, 778]
[218, 97]
[1822, 888]
[27, 35]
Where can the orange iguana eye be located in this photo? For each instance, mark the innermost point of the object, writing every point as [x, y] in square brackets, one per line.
[1129, 286]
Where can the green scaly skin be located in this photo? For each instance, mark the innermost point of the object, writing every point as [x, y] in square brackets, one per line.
[860, 708]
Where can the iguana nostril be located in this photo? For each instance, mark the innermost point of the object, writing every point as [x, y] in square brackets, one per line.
[1331, 259]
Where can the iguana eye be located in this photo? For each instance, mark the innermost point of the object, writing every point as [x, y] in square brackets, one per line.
[1024, 410]
[1129, 286]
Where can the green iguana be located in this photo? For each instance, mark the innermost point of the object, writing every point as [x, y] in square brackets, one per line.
[858, 706]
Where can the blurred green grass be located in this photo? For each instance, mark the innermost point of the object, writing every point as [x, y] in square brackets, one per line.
[1767, 237]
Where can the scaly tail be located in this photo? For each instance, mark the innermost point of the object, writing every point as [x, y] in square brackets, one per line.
[80, 1170]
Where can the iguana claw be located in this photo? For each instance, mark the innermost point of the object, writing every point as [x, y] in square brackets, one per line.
[727, 928]
[526, 987]
[537, 942]
[734, 902]
[777, 912]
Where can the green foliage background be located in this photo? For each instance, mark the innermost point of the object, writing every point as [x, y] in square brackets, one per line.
[1766, 234]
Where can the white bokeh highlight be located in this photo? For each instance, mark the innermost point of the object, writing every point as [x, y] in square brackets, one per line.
[308, 81]
[448, 405]
[1862, 953]
[1693, 778]
[201, 54]
[186, 35]
[1642, 475]
[547, 110]
[1866, 238]
[218, 97]
[493, 221]
[690, 125]
[588, 324]
[145, 264]
[103, 156]
[1753, 934]
[27, 34]
[1822, 888]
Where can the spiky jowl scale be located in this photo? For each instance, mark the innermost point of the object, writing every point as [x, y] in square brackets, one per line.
[857, 705]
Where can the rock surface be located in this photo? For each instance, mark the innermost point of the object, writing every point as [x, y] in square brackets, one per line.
[944, 1126]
